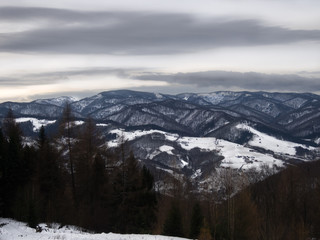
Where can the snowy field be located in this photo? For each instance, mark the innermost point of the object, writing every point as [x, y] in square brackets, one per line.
[13, 230]
[271, 143]
[36, 123]
[236, 156]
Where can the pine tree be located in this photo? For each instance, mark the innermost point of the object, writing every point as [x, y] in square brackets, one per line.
[13, 169]
[246, 217]
[173, 222]
[146, 201]
[133, 198]
[48, 178]
[99, 178]
[126, 185]
[2, 170]
[42, 138]
[32, 218]
[196, 221]
[147, 179]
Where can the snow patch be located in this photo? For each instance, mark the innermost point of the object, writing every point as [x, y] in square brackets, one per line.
[236, 156]
[158, 95]
[129, 136]
[184, 163]
[196, 174]
[36, 123]
[153, 154]
[271, 143]
[167, 149]
[204, 143]
[77, 123]
[239, 157]
[102, 125]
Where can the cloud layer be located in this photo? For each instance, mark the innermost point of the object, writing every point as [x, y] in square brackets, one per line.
[45, 78]
[178, 82]
[235, 80]
[59, 31]
[66, 46]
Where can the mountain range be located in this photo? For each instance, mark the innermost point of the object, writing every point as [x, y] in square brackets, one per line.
[192, 134]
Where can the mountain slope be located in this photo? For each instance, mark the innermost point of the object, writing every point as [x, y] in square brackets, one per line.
[193, 134]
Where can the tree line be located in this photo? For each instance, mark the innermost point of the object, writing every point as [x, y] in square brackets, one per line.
[72, 177]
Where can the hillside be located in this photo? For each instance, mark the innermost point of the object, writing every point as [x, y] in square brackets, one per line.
[187, 133]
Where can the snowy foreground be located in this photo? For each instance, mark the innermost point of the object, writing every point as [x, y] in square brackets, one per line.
[12, 230]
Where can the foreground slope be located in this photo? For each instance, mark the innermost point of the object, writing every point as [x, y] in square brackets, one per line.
[13, 230]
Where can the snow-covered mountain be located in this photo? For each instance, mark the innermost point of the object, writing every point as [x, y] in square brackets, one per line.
[59, 101]
[194, 114]
[200, 158]
[194, 134]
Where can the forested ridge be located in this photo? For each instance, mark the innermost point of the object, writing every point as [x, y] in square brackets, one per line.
[71, 177]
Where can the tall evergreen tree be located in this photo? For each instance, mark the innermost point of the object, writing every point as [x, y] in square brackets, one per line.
[196, 221]
[42, 138]
[3, 144]
[13, 172]
[146, 202]
[133, 198]
[173, 222]
[90, 174]
[48, 177]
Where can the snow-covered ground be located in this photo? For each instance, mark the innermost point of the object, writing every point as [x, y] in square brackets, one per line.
[236, 156]
[271, 143]
[167, 149]
[14, 230]
[102, 125]
[129, 136]
[36, 123]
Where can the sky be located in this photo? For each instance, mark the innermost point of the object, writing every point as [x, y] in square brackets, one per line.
[80, 48]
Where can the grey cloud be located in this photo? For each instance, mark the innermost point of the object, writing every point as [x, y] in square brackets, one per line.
[235, 80]
[95, 71]
[31, 14]
[24, 81]
[45, 78]
[76, 94]
[23, 14]
[178, 82]
[123, 33]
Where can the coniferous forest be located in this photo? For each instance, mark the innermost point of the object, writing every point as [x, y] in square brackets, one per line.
[71, 177]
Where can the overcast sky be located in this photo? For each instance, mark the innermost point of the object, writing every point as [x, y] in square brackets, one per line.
[80, 48]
